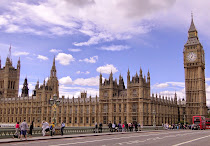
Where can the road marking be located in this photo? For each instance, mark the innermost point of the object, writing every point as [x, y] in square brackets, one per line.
[72, 139]
[28, 142]
[120, 138]
[191, 140]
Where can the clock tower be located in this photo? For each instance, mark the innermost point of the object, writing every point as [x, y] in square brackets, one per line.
[194, 66]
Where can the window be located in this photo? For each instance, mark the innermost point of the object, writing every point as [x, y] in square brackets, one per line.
[75, 109]
[87, 120]
[105, 119]
[105, 108]
[93, 109]
[93, 120]
[119, 107]
[69, 119]
[125, 107]
[114, 107]
[120, 120]
[87, 109]
[134, 107]
[75, 120]
[70, 109]
[81, 119]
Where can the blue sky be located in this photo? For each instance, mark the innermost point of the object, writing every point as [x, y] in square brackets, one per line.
[89, 36]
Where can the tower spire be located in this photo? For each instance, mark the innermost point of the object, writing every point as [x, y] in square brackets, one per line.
[192, 25]
[9, 55]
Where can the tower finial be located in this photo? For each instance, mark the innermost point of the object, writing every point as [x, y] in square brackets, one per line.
[191, 15]
[9, 55]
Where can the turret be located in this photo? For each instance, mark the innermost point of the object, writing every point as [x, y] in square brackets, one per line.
[37, 85]
[128, 78]
[0, 62]
[25, 88]
[148, 77]
[18, 64]
[100, 80]
[121, 83]
[175, 98]
[111, 79]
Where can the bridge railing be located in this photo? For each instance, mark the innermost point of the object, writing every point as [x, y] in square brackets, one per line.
[9, 132]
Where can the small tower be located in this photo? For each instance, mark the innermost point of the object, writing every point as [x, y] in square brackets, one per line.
[100, 80]
[25, 88]
[128, 77]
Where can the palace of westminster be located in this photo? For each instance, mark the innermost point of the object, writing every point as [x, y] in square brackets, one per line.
[115, 103]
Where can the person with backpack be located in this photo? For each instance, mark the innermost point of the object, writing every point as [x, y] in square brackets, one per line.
[17, 131]
[100, 128]
[31, 128]
[110, 126]
[52, 129]
[96, 128]
[62, 127]
[23, 128]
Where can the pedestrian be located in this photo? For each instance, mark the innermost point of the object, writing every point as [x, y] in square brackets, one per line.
[45, 128]
[113, 127]
[110, 126]
[126, 127]
[23, 128]
[100, 128]
[52, 129]
[120, 127]
[123, 127]
[62, 127]
[31, 128]
[17, 131]
[96, 127]
[136, 126]
[139, 127]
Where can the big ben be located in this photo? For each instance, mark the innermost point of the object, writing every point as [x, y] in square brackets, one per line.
[194, 66]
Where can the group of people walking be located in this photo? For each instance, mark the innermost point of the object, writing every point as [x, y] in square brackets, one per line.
[125, 127]
[21, 129]
[98, 128]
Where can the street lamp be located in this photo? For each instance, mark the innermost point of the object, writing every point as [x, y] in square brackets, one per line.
[154, 123]
[54, 102]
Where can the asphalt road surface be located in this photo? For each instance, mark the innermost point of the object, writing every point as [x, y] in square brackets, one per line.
[156, 138]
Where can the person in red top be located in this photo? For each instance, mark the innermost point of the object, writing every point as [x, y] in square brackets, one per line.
[17, 128]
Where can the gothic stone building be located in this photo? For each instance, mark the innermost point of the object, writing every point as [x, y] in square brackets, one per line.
[115, 103]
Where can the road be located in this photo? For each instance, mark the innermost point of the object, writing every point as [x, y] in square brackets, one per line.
[156, 138]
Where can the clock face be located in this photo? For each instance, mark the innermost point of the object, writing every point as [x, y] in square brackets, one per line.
[191, 56]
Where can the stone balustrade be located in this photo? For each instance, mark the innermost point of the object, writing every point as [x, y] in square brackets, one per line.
[9, 132]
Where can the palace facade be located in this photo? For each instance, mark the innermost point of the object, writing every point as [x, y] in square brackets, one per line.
[115, 103]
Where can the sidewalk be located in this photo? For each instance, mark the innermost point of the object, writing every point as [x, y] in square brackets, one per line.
[11, 140]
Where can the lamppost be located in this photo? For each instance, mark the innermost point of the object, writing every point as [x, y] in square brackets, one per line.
[154, 123]
[54, 102]
[184, 120]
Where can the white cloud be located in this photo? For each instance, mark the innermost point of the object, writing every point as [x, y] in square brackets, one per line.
[55, 50]
[91, 60]
[107, 69]
[65, 80]
[74, 50]
[92, 18]
[79, 72]
[64, 59]
[20, 53]
[41, 57]
[161, 85]
[169, 84]
[114, 48]
[94, 81]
